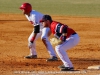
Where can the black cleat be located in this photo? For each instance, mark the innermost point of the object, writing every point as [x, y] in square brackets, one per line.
[31, 57]
[54, 58]
[67, 69]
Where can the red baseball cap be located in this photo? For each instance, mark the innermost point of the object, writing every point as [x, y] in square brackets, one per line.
[27, 7]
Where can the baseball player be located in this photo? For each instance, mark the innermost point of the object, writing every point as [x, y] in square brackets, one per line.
[69, 38]
[38, 31]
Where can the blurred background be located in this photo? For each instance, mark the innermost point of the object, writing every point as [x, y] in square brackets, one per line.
[89, 8]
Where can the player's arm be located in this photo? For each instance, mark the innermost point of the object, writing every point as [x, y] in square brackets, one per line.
[63, 37]
[62, 33]
[36, 27]
[36, 31]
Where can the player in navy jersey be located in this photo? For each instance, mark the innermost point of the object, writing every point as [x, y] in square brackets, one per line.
[68, 37]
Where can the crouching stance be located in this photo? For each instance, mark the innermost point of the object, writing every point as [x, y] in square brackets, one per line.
[68, 37]
[39, 31]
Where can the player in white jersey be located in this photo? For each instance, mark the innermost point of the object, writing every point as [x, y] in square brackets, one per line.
[39, 31]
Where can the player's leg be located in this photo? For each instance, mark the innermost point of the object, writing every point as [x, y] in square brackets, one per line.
[44, 37]
[33, 53]
[61, 51]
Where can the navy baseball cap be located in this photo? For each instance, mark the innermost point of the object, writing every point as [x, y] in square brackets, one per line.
[45, 18]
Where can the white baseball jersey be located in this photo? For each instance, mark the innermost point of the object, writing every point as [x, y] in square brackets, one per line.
[34, 18]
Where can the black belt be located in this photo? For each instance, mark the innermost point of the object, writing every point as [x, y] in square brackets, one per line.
[74, 33]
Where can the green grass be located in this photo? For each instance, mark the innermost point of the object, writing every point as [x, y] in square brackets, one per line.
[55, 7]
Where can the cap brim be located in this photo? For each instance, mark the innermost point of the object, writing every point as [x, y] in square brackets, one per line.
[41, 20]
[21, 8]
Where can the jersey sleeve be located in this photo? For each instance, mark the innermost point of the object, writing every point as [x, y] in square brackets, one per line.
[35, 20]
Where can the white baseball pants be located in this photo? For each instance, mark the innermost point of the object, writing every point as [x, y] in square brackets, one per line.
[45, 32]
[44, 35]
[61, 49]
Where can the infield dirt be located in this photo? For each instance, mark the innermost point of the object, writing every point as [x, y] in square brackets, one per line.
[15, 30]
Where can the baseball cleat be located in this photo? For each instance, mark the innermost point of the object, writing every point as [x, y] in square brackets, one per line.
[67, 69]
[54, 58]
[31, 57]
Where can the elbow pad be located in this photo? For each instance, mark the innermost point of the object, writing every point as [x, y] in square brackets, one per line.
[37, 29]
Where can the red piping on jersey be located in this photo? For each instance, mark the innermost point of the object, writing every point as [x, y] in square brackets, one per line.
[54, 26]
[61, 28]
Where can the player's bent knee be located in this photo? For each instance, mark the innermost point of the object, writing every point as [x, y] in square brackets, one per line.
[58, 49]
[43, 38]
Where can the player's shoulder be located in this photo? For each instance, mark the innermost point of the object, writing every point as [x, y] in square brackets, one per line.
[35, 12]
[54, 22]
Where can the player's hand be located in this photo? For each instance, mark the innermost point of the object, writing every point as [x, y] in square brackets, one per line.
[30, 44]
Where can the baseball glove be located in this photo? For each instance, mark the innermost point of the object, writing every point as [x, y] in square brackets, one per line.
[55, 41]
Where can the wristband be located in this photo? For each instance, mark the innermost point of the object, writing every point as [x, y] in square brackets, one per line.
[32, 39]
[63, 38]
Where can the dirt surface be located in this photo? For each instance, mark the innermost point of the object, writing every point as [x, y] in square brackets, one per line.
[15, 30]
